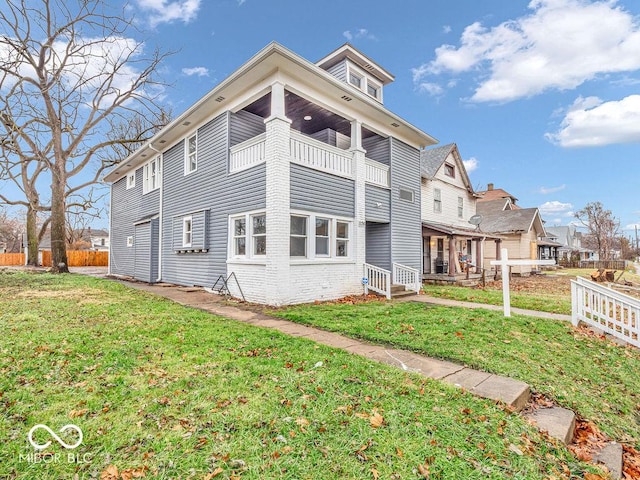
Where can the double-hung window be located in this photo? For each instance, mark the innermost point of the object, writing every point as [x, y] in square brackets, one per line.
[322, 237]
[191, 157]
[187, 231]
[151, 176]
[298, 236]
[342, 239]
[240, 236]
[131, 180]
[437, 200]
[460, 207]
[259, 234]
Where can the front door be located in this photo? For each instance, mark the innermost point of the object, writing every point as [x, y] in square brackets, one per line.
[426, 255]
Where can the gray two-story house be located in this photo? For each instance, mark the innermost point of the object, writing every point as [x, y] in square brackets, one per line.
[290, 175]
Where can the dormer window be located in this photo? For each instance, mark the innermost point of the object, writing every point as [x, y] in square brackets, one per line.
[372, 89]
[355, 79]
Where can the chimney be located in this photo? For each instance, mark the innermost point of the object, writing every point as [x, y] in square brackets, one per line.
[489, 186]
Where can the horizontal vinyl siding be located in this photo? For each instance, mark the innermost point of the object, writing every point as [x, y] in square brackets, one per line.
[378, 149]
[142, 247]
[375, 196]
[321, 192]
[449, 195]
[406, 227]
[209, 188]
[339, 70]
[128, 207]
[379, 245]
[245, 125]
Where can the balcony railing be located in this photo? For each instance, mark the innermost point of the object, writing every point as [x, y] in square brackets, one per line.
[247, 154]
[312, 153]
[377, 173]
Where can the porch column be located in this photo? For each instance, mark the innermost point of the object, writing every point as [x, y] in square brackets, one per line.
[479, 259]
[452, 256]
[498, 256]
[359, 177]
[277, 156]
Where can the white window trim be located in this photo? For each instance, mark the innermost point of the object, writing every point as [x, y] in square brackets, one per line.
[248, 257]
[186, 219]
[364, 82]
[409, 190]
[448, 166]
[328, 237]
[146, 175]
[187, 158]
[437, 200]
[460, 207]
[311, 238]
[130, 241]
[233, 236]
[305, 236]
[131, 183]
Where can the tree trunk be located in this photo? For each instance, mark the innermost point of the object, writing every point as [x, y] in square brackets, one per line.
[59, 262]
[32, 237]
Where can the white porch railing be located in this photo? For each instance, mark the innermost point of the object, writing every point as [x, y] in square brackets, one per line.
[247, 154]
[377, 173]
[407, 276]
[377, 279]
[321, 156]
[606, 309]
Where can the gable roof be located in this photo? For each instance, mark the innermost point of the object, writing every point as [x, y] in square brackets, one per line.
[431, 162]
[495, 194]
[520, 220]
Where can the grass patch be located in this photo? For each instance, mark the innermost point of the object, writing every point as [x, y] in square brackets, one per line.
[174, 392]
[584, 373]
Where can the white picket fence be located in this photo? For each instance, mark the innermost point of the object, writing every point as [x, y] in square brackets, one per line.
[606, 309]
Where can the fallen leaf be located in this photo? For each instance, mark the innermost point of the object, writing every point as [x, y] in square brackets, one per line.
[515, 449]
[423, 468]
[110, 473]
[376, 420]
[375, 473]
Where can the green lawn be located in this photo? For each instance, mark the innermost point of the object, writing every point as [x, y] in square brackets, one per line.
[171, 392]
[582, 372]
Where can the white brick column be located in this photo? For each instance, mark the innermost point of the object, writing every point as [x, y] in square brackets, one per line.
[359, 175]
[277, 153]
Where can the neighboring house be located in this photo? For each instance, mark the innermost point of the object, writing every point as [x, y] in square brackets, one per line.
[491, 194]
[570, 240]
[520, 229]
[99, 239]
[448, 203]
[291, 175]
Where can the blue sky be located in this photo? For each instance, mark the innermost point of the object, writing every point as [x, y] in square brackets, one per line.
[542, 97]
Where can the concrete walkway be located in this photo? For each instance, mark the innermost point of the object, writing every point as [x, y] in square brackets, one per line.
[495, 387]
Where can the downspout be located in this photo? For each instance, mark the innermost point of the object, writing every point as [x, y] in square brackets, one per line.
[110, 228]
[159, 212]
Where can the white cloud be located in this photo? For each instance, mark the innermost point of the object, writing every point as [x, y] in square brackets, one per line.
[359, 33]
[432, 89]
[199, 71]
[632, 226]
[555, 208]
[591, 122]
[241, 2]
[546, 191]
[446, 29]
[168, 11]
[471, 164]
[560, 45]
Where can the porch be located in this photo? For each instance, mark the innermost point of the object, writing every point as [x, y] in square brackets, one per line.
[453, 254]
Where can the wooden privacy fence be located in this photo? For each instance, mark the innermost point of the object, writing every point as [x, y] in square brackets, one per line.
[595, 264]
[9, 259]
[80, 258]
[606, 309]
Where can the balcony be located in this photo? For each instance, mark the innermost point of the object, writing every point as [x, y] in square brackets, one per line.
[311, 153]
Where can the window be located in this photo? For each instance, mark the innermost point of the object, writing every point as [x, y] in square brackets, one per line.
[239, 236]
[460, 207]
[259, 234]
[131, 180]
[406, 194]
[355, 79]
[342, 239]
[298, 236]
[187, 231]
[322, 237]
[152, 177]
[130, 241]
[449, 170]
[191, 158]
[437, 200]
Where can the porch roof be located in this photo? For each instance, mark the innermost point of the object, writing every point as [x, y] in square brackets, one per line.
[436, 228]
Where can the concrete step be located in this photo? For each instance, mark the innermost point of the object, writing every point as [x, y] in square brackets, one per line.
[611, 457]
[403, 293]
[558, 422]
[397, 288]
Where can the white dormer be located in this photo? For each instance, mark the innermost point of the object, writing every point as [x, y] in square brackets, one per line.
[354, 68]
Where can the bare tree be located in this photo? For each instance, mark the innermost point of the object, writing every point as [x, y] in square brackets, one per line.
[11, 230]
[602, 227]
[70, 77]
